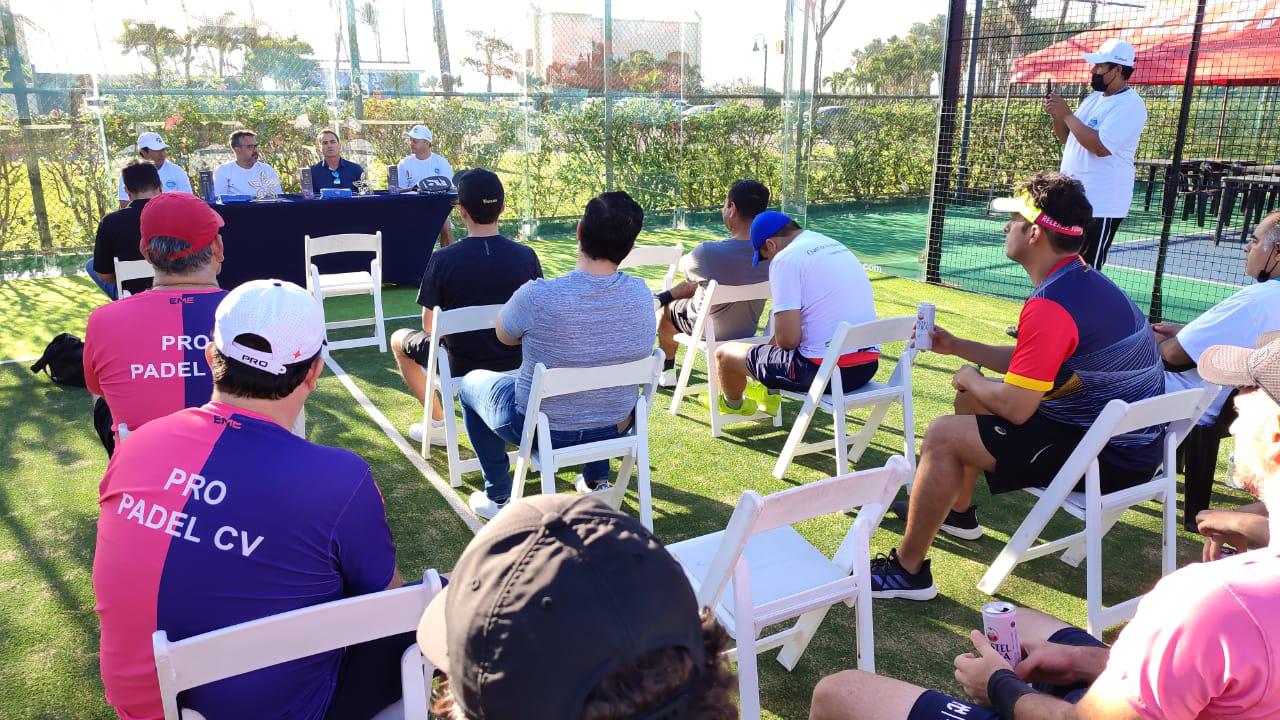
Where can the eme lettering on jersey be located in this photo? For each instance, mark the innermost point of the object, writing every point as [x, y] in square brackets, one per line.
[193, 488]
[149, 371]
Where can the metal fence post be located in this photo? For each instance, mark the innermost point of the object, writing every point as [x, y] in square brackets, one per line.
[797, 99]
[1168, 203]
[946, 139]
[18, 81]
[962, 166]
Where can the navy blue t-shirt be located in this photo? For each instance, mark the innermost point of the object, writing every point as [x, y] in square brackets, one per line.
[344, 177]
[478, 271]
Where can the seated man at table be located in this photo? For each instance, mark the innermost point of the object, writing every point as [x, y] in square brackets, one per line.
[1239, 320]
[1081, 343]
[333, 170]
[420, 168]
[246, 175]
[591, 317]
[1203, 644]
[484, 268]
[218, 515]
[153, 149]
[118, 232]
[144, 355]
[725, 262]
[817, 283]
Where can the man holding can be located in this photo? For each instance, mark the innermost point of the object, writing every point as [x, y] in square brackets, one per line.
[1203, 644]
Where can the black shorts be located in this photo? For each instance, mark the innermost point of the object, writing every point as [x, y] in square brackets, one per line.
[1030, 455]
[417, 345]
[682, 315]
[1097, 240]
[933, 705]
[779, 369]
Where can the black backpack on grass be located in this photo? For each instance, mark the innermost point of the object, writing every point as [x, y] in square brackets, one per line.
[63, 358]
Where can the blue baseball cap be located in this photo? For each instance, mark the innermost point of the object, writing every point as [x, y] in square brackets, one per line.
[763, 227]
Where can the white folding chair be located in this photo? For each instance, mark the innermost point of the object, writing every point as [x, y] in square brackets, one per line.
[703, 340]
[444, 323]
[349, 283]
[253, 645]
[131, 270]
[759, 571]
[642, 255]
[632, 447]
[879, 396]
[300, 424]
[122, 431]
[1100, 512]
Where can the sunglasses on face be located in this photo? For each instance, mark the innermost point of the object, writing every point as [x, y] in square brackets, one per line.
[336, 181]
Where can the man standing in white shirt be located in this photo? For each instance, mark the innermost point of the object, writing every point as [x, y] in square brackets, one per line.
[246, 175]
[421, 165]
[151, 147]
[1101, 139]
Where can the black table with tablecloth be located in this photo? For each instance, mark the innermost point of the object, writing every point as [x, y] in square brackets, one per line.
[265, 239]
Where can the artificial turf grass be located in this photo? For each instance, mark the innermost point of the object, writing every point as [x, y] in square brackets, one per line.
[48, 631]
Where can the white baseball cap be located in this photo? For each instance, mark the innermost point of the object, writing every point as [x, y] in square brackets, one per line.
[420, 132]
[283, 314]
[151, 141]
[1116, 52]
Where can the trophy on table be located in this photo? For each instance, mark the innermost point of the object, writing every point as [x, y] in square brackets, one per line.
[361, 186]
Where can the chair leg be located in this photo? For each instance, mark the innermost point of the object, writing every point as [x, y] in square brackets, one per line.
[806, 627]
[643, 486]
[840, 427]
[517, 481]
[1093, 568]
[713, 394]
[862, 440]
[798, 429]
[1018, 545]
[379, 322]
[1075, 554]
[748, 672]
[686, 371]
[623, 483]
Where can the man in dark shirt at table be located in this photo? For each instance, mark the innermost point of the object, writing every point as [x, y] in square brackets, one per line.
[485, 268]
[118, 232]
[333, 170]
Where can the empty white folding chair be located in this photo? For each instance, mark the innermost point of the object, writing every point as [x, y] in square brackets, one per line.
[703, 340]
[131, 270]
[253, 645]
[759, 571]
[439, 375]
[1100, 512]
[827, 394]
[669, 255]
[363, 282]
[632, 447]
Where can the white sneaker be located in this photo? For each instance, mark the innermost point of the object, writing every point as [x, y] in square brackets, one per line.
[437, 430]
[580, 484]
[483, 507]
[668, 378]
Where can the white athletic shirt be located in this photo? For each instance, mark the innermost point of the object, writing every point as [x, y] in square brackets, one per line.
[1108, 181]
[172, 179]
[825, 281]
[231, 179]
[412, 170]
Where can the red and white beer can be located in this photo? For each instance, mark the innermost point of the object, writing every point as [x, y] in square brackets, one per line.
[1000, 625]
[925, 313]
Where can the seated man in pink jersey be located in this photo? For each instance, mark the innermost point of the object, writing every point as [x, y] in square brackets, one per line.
[217, 515]
[1204, 642]
[144, 355]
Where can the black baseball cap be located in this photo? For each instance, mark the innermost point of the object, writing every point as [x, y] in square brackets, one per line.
[548, 599]
[479, 190]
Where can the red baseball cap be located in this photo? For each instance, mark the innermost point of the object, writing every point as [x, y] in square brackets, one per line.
[179, 215]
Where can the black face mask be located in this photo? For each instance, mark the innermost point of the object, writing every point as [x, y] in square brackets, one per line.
[1098, 82]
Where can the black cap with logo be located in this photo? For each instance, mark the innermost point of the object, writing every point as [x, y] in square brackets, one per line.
[479, 190]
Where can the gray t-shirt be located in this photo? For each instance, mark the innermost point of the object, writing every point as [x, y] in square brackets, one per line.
[728, 262]
[581, 320]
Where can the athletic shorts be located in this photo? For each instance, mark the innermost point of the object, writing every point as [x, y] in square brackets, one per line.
[417, 345]
[779, 369]
[682, 315]
[1030, 455]
[1097, 240]
[933, 705]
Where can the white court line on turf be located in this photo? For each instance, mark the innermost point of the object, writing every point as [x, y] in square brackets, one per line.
[400, 317]
[433, 477]
[1188, 278]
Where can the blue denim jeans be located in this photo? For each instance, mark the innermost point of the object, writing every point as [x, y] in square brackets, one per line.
[493, 419]
[108, 288]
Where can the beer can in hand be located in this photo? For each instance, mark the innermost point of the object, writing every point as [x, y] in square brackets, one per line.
[924, 325]
[1000, 625]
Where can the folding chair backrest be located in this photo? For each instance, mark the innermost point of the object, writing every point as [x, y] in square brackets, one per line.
[1120, 417]
[345, 242]
[873, 489]
[725, 294]
[464, 319]
[131, 270]
[668, 255]
[564, 381]
[268, 641]
[850, 338]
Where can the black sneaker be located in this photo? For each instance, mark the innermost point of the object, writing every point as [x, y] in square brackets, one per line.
[963, 525]
[890, 580]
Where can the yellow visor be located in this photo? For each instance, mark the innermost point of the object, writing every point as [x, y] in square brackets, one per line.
[1026, 207]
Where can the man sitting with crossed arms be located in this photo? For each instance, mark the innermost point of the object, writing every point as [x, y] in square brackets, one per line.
[144, 355]
[1203, 644]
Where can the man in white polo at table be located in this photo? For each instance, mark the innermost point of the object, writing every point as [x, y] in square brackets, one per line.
[421, 164]
[1101, 139]
[153, 149]
[246, 175]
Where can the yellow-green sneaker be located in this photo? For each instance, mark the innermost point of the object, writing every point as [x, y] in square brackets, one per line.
[766, 402]
[747, 409]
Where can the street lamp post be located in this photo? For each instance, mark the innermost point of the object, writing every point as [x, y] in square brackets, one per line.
[762, 45]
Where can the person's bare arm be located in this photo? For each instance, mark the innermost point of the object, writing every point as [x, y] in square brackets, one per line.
[1171, 351]
[503, 336]
[1013, 403]
[684, 290]
[994, 357]
[786, 329]
[1086, 136]
[396, 580]
[1060, 130]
